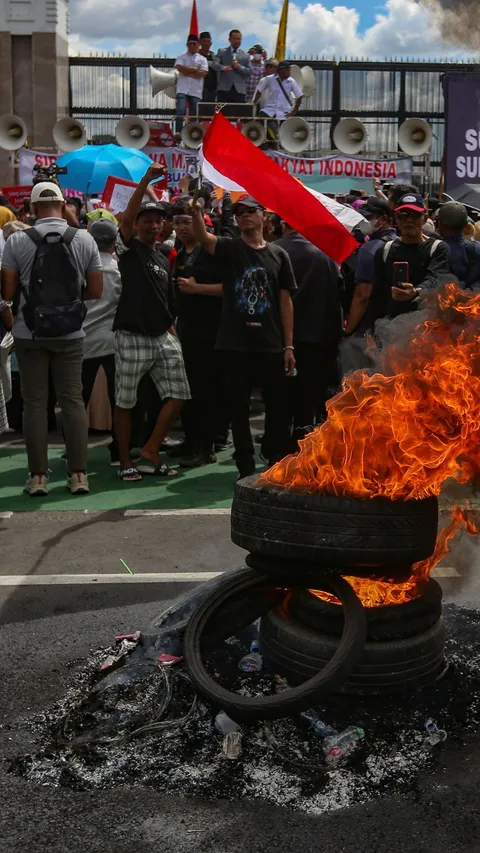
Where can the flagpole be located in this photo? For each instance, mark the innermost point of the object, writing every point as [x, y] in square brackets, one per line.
[282, 33]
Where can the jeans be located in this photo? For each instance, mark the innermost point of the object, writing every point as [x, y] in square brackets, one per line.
[64, 358]
[243, 371]
[182, 102]
[271, 127]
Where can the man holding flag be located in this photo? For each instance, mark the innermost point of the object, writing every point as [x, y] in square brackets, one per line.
[255, 336]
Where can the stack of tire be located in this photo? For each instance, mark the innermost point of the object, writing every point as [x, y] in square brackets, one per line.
[298, 541]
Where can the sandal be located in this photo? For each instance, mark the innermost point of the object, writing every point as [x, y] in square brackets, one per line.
[130, 475]
[161, 470]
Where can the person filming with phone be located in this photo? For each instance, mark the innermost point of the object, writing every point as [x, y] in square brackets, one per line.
[407, 267]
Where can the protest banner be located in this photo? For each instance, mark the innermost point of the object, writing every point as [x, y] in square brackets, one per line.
[16, 195]
[462, 137]
[334, 172]
[118, 191]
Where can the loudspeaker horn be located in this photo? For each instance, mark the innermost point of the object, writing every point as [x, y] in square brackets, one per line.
[132, 132]
[13, 132]
[192, 134]
[69, 134]
[350, 136]
[164, 81]
[309, 81]
[255, 132]
[415, 136]
[295, 135]
[296, 73]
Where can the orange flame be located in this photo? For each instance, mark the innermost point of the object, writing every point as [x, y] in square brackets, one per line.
[381, 593]
[401, 433]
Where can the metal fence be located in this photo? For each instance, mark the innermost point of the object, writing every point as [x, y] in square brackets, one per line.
[380, 94]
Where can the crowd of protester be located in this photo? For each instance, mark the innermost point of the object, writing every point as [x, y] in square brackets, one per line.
[191, 306]
[233, 75]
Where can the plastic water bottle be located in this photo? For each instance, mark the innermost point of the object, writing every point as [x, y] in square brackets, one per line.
[320, 728]
[281, 684]
[232, 735]
[434, 734]
[336, 747]
[253, 661]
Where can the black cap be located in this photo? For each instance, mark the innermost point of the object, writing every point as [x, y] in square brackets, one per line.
[192, 37]
[246, 201]
[411, 201]
[285, 63]
[205, 35]
[374, 204]
[152, 207]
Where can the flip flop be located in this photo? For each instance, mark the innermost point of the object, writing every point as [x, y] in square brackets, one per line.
[130, 475]
[161, 470]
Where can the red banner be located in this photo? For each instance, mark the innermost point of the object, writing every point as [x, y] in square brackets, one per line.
[16, 195]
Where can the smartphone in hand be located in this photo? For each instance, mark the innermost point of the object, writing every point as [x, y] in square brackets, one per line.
[401, 273]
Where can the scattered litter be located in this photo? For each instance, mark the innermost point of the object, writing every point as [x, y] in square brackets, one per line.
[340, 746]
[142, 724]
[168, 660]
[253, 661]
[232, 735]
[126, 567]
[434, 734]
[317, 725]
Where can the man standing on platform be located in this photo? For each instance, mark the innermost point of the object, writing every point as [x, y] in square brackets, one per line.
[192, 68]
[233, 66]
[210, 81]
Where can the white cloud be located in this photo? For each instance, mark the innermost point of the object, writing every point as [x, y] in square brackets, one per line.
[147, 27]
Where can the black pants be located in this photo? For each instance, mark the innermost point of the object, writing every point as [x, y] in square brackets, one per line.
[202, 415]
[316, 374]
[90, 368]
[230, 97]
[241, 373]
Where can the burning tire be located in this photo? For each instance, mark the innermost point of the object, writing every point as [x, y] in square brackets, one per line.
[395, 666]
[392, 622]
[330, 674]
[330, 529]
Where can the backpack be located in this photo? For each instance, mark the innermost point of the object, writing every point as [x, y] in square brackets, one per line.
[347, 270]
[388, 246]
[54, 304]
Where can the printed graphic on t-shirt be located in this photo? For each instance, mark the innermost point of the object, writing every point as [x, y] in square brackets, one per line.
[155, 268]
[252, 292]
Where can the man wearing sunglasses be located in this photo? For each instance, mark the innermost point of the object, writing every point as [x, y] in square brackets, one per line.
[404, 269]
[255, 337]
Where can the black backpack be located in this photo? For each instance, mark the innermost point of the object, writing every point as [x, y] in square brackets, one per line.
[54, 304]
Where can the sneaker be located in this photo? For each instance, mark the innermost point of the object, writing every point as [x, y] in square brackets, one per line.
[195, 460]
[36, 485]
[227, 444]
[78, 483]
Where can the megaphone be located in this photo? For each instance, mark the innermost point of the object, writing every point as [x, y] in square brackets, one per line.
[192, 134]
[132, 132]
[296, 73]
[13, 132]
[309, 81]
[350, 136]
[294, 134]
[69, 134]
[255, 132]
[415, 136]
[164, 81]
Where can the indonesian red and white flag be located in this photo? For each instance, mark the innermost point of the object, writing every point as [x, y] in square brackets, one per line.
[231, 155]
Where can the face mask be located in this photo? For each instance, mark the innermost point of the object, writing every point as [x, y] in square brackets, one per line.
[365, 227]
[257, 55]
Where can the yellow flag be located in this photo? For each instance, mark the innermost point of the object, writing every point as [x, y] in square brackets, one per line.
[282, 33]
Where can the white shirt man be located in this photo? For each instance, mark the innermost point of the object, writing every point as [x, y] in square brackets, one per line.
[277, 90]
[187, 85]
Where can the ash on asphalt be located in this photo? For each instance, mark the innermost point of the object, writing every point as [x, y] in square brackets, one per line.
[154, 732]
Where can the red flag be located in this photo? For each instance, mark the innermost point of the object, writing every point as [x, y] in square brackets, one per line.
[234, 156]
[194, 28]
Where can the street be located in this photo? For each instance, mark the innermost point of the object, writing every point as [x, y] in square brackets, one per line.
[47, 630]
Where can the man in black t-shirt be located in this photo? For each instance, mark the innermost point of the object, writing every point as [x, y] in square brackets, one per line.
[426, 261]
[255, 336]
[198, 280]
[145, 339]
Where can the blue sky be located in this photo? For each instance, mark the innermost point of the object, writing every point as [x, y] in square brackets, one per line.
[403, 28]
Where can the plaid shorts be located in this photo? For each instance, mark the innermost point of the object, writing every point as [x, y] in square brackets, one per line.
[136, 355]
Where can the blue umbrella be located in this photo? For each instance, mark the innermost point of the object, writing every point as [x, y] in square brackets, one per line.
[90, 166]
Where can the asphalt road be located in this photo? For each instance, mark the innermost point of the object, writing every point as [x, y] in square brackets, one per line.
[46, 628]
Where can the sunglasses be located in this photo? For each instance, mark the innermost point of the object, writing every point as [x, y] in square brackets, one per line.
[408, 214]
[240, 211]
